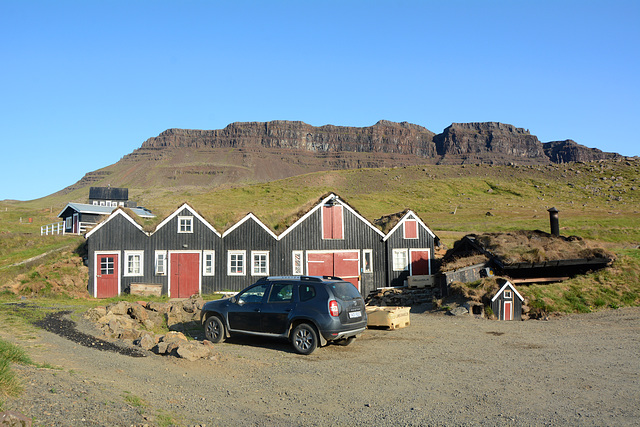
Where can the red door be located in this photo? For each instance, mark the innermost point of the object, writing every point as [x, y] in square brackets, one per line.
[345, 265]
[185, 275]
[107, 275]
[508, 310]
[419, 262]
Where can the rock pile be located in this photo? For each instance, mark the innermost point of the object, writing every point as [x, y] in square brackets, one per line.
[139, 322]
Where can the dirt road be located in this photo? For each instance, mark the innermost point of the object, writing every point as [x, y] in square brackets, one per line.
[571, 370]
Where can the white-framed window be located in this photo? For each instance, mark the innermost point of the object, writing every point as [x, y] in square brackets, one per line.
[208, 263]
[367, 261]
[236, 263]
[95, 203]
[133, 262]
[185, 224]
[298, 263]
[507, 294]
[161, 263]
[102, 203]
[121, 204]
[68, 221]
[259, 263]
[400, 259]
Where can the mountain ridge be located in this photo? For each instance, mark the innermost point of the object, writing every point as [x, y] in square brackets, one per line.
[248, 152]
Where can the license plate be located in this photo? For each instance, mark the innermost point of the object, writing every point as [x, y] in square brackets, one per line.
[354, 314]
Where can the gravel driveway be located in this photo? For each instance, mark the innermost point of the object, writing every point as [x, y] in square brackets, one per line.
[572, 370]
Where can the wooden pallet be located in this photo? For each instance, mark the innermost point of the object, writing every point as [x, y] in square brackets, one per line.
[388, 317]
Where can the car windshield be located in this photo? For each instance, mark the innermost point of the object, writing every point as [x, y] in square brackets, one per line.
[344, 291]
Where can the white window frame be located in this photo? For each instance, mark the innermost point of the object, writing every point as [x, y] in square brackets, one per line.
[127, 272]
[208, 271]
[508, 294]
[255, 254]
[396, 260]
[365, 253]
[68, 222]
[297, 269]
[190, 222]
[243, 254]
[95, 203]
[161, 267]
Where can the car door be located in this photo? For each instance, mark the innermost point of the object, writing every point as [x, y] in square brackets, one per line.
[244, 312]
[277, 308]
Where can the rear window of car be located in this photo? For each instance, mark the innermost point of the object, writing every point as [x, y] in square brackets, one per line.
[344, 291]
[307, 292]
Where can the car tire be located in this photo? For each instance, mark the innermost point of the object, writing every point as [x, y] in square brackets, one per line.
[214, 329]
[345, 342]
[304, 338]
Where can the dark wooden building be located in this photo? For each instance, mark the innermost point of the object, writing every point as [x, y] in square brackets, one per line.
[78, 218]
[507, 303]
[409, 249]
[186, 255]
[110, 196]
[117, 249]
[332, 239]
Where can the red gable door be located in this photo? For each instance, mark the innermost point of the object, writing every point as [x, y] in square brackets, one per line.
[332, 222]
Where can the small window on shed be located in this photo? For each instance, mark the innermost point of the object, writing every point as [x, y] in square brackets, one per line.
[507, 294]
[185, 224]
[400, 260]
[298, 266]
[161, 263]
[367, 260]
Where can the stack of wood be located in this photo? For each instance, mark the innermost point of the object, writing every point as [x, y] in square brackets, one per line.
[401, 297]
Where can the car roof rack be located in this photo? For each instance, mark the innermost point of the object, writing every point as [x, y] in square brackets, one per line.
[301, 278]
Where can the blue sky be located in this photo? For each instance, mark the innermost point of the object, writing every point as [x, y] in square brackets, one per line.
[86, 82]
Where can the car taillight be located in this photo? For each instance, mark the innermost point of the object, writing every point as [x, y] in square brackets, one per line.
[333, 308]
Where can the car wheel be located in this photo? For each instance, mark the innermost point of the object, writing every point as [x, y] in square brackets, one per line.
[345, 341]
[304, 338]
[214, 329]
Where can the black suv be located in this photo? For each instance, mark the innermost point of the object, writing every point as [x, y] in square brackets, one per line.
[307, 310]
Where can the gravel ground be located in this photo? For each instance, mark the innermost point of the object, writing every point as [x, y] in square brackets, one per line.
[442, 370]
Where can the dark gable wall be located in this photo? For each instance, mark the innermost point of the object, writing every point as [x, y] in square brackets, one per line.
[246, 237]
[397, 241]
[168, 239]
[357, 235]
[119, 234]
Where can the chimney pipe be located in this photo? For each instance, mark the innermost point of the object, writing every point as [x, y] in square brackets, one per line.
[553, 220]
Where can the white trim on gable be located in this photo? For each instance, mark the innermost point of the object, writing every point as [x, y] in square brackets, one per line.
[507, 283]
[193, 212]
[409, 215]
[110, 217]
[324, 202]
[246, 218]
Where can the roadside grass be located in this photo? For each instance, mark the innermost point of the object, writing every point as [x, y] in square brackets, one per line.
[9, 383]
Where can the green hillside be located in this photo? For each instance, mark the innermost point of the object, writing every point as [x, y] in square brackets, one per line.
[598, 201]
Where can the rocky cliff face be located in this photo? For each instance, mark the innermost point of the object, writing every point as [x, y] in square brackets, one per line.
[488, 142]
[570, 151]
[383, 137]
[491, 141]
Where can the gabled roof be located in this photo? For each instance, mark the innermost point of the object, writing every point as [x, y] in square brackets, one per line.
[336, 200]
[86, 208]
[117, 212]
[193, 212]
[507, 283]
[409, 215]
[245, 219]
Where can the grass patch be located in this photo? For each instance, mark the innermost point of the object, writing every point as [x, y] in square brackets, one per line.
[10, 353]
